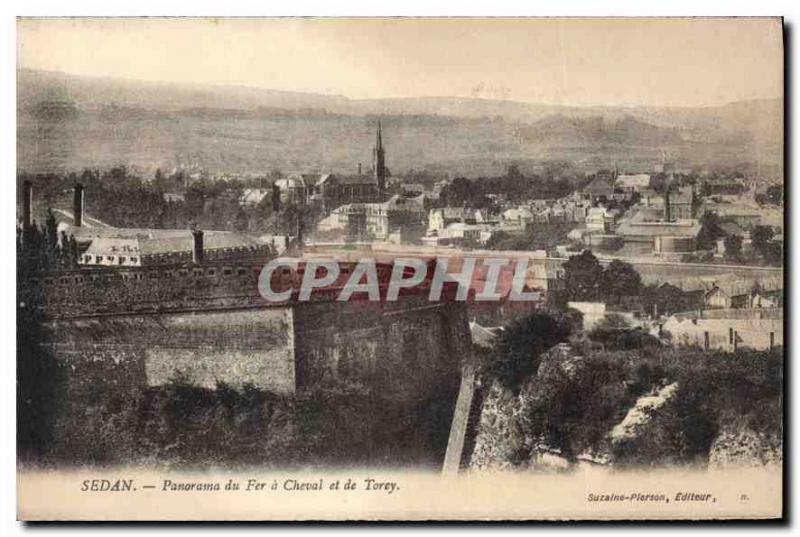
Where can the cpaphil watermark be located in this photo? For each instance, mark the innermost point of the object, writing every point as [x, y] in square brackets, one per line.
[491, 279]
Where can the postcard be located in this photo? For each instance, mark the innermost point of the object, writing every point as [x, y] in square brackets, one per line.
[400, 269]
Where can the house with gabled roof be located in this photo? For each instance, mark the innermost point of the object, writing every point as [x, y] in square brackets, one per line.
[598, 190]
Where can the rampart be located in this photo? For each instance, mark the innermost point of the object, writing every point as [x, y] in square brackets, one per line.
[206, 323]
[176, 287]
[120, 332]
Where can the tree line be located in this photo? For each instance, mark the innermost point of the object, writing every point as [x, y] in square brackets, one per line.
[618, 284]
[122, 198]
[481, 193]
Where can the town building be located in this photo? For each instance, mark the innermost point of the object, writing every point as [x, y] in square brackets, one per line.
[125, 247]
[632, 183]
[379, 220]
[414, 189]
[650, 198]
[727, 329]
[598, 219]
[333, 190]
[599, 189]
[744, 213]
[723, 185]
[439, 219]
[729, 291]
[675, 237]
[562, 211]
[460, 233]
[733, 292]
[516, 219]
[329, 190]
[679, 204]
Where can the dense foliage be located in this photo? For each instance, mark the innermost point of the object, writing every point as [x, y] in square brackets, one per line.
[585, 280]
[483, 191]
[571, 398]
[121, 198]
[180, 425]
[535, 237]
[40, 387]
[522, 343]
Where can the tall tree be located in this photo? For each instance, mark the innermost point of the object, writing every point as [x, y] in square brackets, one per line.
[522, 344]
[710, 231]
[775, 194]
[620, 279]
[733, 247]
[583, 276]
[761, 236]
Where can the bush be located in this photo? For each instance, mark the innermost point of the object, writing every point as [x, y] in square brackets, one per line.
[522, 343]
[40, 388]
[184, 426]
[574, 402]
[614, 338]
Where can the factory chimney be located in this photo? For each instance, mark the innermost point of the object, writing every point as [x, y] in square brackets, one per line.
[669, 169]
[359, 169]
[299, 227]
[27, 204]
[77, 205]
[197, 246]
[276, 198]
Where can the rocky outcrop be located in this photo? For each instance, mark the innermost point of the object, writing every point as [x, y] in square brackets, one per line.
[744, 447]
[641, 414]
[500, 440]
[626, 410]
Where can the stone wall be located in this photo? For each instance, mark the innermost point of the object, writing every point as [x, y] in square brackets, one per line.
[725, 334]
[343, 381]
[183, 287]
[235, 347]
[410, 348]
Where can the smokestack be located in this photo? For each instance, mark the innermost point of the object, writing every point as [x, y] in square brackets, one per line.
[197, 246]
[667, 209]
[77, 205]
[359, 168]
[299, 224]
[27, 204]
[276, 198]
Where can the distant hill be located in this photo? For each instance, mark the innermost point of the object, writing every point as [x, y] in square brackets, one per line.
[92, 92]
[68, 122]
[596, 130]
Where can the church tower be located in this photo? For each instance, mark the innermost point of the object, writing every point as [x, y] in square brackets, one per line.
[378, 167]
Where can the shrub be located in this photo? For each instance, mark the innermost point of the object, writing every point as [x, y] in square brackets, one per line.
[522, 343]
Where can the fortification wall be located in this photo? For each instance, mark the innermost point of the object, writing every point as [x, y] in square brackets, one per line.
[235, 347]
[145, 289]
[410, 350]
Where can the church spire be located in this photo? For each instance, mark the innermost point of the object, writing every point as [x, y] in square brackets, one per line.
[378, 165]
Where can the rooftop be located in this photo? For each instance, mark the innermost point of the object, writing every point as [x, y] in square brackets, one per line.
[158, 241]
[639, 180]
[599, 186]
[680, 228]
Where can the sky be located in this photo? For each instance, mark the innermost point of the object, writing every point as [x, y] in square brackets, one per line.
[650, 62]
